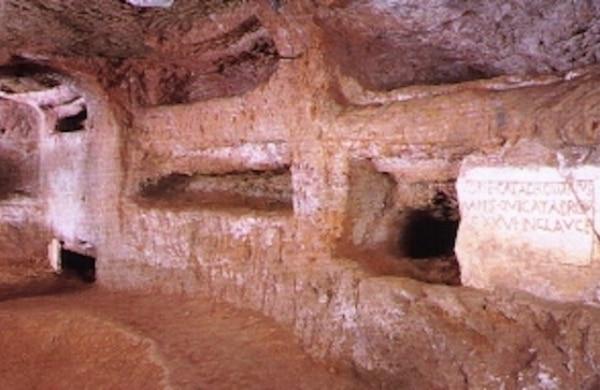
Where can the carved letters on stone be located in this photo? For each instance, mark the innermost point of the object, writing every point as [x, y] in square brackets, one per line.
[540, 209]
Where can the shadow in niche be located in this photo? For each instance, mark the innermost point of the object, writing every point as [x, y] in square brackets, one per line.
[269, 190]
[72, 123]
[426, 235]
[77, 265]
[401, 230]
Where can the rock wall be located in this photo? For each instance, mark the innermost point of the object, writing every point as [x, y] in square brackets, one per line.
[261, 173]
[321, 194]
[21, 207]
[59, 178]
[81, 171]
[295, 263]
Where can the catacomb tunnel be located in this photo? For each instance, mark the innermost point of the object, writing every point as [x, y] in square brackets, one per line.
[359, 194]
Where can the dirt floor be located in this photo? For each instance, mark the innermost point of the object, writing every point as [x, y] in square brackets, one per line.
[59, 333]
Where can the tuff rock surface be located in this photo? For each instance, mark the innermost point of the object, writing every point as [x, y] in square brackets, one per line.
[292, 157]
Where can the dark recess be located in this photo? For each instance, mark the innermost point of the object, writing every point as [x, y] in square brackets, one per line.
[21, 68]
[77, 265]
[268, 190]
[72, 123]
[431, 231]
[427, 235]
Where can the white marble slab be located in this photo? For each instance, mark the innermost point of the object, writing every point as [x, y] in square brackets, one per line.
[549, 211]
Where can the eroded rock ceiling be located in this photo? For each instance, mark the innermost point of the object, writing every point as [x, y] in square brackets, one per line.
[390, 43]
[191, 51]
[198, 49]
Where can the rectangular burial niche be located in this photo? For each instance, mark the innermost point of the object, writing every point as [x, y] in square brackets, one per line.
[72, 123]
[401, 228]
[264, 190]
[72, 264]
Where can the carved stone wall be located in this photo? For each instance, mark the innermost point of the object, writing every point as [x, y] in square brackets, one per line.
[231, 152]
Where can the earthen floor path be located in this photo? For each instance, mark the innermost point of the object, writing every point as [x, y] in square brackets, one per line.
[58, 334]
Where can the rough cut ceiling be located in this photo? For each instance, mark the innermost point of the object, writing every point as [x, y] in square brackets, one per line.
[199, 49]
[390, 43]
[191, 51]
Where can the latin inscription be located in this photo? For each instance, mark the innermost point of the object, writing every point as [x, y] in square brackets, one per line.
[531, 206]
[537, 210]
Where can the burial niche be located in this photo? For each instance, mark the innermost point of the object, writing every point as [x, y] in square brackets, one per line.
[430, 231]
[72, 123]
[265, 190]
[401, 228]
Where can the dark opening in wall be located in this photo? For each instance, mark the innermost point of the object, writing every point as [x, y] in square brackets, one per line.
[430, 232]
[401, 228]
[72, 123]
[268, 190]
[78, 265]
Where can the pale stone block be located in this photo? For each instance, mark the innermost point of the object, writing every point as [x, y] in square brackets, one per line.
[151, 3]
[54, 255]
[530, 223]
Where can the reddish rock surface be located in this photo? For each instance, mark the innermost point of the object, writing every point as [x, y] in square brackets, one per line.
[68, 335]
[297, 159]
[388, 44]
